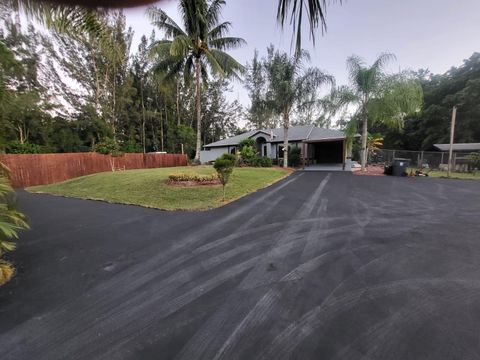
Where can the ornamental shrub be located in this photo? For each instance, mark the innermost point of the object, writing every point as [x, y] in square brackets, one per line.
[193, 177]
[224, 167]
[294, 156]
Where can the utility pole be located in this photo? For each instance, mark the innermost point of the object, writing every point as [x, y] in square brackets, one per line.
[452, 135]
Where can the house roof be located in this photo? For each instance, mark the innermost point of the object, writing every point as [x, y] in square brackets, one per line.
[458, 147]
[295, 133]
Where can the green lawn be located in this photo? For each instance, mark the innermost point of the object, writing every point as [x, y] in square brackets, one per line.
[454, 175]
[148, 188]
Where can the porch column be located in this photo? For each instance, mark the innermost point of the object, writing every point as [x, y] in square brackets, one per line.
[344, 154]
[303, 154]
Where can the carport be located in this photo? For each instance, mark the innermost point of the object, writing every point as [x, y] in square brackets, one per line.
[324, 152]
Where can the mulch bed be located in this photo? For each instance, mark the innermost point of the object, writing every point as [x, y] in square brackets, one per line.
[193, 183]
[375, 170]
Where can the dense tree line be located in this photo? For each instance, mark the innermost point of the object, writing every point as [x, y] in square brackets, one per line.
[460, 86]
[64, 92]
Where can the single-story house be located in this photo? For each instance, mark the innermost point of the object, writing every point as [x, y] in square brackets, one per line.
[318, 145]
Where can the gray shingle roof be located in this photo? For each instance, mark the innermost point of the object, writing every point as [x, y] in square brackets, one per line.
[295, 133]
[459, 147]
[323, 134]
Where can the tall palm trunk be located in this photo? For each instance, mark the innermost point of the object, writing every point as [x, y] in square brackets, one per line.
[286, 123]
[364, 151]
[198, 84]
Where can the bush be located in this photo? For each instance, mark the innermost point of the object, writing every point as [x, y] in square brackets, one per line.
[246, 142]
[265, 162]
[258, 161]
[131, 146]
[248, 154]
[294, 156]
[193, 177]
[108, 146]
[474, 161]
[224, 167]
[16, 147]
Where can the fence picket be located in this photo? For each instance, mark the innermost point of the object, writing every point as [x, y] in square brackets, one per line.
[41, 169]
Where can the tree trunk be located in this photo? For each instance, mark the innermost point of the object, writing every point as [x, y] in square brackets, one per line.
[198, 83]
[161, 128]
[178, 102]
[143, 118]
[364, 151]
[286, 124]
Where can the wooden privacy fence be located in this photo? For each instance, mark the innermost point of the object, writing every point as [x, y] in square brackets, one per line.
[41, 169]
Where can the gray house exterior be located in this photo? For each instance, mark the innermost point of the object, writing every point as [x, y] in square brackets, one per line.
[318, 145]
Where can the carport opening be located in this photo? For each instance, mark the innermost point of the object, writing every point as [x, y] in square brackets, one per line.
[327, 152]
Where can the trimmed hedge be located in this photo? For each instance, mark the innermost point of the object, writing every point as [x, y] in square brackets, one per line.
[193, 177]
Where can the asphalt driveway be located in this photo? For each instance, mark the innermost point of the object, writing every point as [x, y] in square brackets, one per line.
[318, 266]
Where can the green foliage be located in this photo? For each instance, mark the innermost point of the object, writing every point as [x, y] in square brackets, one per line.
[224, 166]
[248, 153]
[131, 146]
[16, 147]
[379, 98]
[108, 146]
[150, 187]
[261, 161]
[193, 177]
[294, 156]
[460, 86]
[246, 142]
[99, 88]
[199, 47]
[291, 85]
[294, 10]
[260, 113]
[474, 161]
[11, 221]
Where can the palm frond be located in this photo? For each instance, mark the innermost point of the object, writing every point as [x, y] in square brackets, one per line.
[213, 12]
[354, 65]
[70, 19]
[181, 46]
[220, 30]
[230, 66]
[159, 18]
[294, 10]
[227, 43]
[382, 60]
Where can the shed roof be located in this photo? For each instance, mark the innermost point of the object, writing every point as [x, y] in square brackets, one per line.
[295, 133]
[459, 147]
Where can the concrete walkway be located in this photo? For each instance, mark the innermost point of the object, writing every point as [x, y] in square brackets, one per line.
[327, 167]
[319, 266]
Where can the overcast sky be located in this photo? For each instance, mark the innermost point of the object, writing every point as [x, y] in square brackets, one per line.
[433, 34]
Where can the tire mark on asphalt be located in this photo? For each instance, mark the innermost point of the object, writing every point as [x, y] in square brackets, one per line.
[317, 318]
[317, 233]
[268, 308]
[261, 275]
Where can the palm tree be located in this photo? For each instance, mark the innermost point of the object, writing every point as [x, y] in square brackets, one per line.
[290, 85]
[315, 11]
[199, 46]
[380, 97]
[366, 82]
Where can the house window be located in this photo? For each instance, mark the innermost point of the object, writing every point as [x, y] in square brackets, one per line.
[233, 150]
[264, 150]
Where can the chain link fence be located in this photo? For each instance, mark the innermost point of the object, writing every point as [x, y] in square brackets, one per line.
[434, 160]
